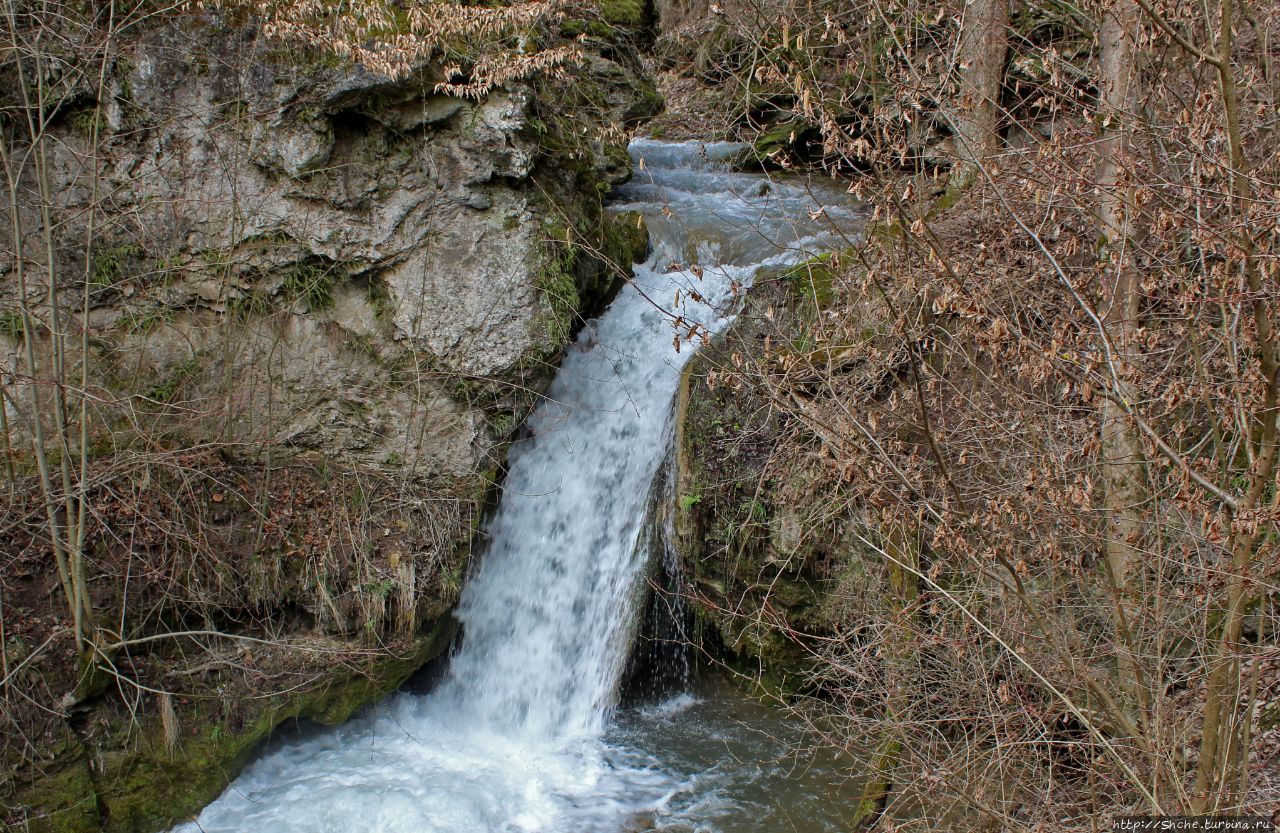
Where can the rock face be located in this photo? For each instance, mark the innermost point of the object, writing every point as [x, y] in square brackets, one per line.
[750, 551]
[354, 231]
[771, 544]
[346, 292]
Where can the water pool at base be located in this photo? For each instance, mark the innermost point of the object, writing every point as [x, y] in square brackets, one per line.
[738, 766]
[523, 733]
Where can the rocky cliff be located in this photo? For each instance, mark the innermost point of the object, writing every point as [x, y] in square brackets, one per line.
[319, 304]
[322, 236]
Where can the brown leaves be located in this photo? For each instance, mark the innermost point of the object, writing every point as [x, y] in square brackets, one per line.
[389, 40]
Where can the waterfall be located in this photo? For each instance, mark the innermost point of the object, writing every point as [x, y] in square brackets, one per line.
[514, 738]
[546, 617]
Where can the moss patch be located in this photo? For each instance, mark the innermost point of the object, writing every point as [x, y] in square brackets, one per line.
[727, 536]
[558, 291]
[813, 280]
[63, 798]
[11, 326]
[112, 264]
[782, 144]
[141, 786]
[629, 13]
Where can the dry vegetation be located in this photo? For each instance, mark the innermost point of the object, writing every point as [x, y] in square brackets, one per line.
[1029, 426]
[200, 564]
[1027, 430]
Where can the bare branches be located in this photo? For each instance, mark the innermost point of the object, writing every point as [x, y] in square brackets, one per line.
[1109, 267]
[476, 42]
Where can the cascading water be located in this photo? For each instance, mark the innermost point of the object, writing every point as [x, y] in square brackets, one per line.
[519, 736]
[658, 665]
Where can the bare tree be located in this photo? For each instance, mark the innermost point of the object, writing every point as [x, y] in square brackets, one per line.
[1122, 455]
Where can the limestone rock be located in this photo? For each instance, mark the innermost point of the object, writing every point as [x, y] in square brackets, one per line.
[323, 258]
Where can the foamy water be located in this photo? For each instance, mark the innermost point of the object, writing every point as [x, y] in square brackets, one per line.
[522, 734]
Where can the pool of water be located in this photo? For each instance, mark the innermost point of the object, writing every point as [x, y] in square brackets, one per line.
[736, 765]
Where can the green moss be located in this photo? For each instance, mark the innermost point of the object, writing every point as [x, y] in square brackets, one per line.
[11, 326]
[177, 378]
[957, 187]
[559, 292]
[503, 423]
[814, 279]
[379, 298]
[763, 661]
[213, 258]
[626, 237]
[63, 799]
[887, 232]
[140, 320]
[110, 265]
[311, 283]
[141, 786]
[577, 282]
[617, 19]
[58, 796]
[87, 121]
[777, 141]
[572, 28]
[1269, 718]
[249, 305]
[727, 525]
[629, 13]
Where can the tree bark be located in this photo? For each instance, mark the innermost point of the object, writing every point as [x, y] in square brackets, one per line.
[902, 557]
[984, 46]
[1122, 459]
[1220, 735]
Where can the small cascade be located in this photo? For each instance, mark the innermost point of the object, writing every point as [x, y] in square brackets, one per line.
[660, 664]
[516, 737]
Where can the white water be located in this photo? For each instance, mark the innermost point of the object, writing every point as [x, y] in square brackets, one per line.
[517, 737]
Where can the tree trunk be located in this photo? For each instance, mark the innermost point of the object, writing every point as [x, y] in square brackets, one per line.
[1123, 471]
[984, 45]
[902, 556]
[1221, 735]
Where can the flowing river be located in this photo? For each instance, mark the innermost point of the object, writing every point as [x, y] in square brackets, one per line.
[524, 732]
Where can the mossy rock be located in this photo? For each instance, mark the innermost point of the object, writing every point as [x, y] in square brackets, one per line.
[813, 280]
[62, 799]
[630, 13]
[627, 238]
[588, 257]
[783, 143]
[625, 18]
[558, 290]
[138, 784]
[762, 660]
[737, 545]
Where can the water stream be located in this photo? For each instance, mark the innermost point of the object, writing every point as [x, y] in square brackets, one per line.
[524, 734]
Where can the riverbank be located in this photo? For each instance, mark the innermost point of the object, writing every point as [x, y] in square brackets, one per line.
[320, 301]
